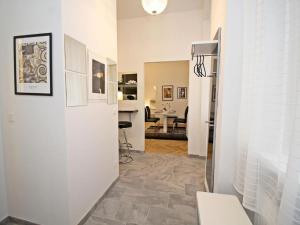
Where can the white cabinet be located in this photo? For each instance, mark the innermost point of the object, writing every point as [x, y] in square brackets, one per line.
[219, 209]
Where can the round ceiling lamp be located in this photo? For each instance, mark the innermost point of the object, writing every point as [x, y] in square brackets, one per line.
[154, 7]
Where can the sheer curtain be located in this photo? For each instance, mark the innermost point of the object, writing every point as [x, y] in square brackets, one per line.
[268, 167]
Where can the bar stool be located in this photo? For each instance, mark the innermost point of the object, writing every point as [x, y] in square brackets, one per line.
[125, 156]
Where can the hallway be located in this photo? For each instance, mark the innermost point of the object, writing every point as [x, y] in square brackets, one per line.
[155, 189]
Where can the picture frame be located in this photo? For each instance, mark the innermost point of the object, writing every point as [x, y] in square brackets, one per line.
[182, 93]
[167, 92]
[97, 76]
[76, 78]
[33, 64]
[112, 77]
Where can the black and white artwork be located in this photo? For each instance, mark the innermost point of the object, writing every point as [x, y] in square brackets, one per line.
[97, 77]
[182, 93]
[33, 64]
[98, 82]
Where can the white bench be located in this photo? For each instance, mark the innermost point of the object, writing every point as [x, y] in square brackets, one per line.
[219, 209]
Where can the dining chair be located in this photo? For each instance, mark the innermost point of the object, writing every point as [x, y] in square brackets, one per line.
[148, 117]
[181, 120]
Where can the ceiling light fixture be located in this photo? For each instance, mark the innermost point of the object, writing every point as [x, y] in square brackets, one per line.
[154, 7]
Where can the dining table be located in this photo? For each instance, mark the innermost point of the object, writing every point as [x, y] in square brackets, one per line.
[164, 113]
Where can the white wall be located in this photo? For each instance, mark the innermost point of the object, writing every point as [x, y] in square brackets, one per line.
[58, 160]
[199, 111]
[3, 196]
[166, 37]
[34, 140]
[228, 15]
[92, 131]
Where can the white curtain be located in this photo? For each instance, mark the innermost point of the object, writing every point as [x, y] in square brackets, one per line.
[268, 167]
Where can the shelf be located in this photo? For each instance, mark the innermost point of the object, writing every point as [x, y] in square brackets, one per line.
[128, 110]
[209, 48]
[128, 85]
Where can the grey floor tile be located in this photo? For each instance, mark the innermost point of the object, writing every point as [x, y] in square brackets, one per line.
[94, 220]
[107, 208]
[132, 213]
[181, 200]
[180, 222]
[151, 199]
[129, 182]
[191, 189]
[158, 215]
[11, 223]
[154, 189]
[162, 186]
[115, 192]
[181, 215]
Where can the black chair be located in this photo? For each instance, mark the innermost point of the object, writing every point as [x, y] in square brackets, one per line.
[148, 117]
[125, 156]
[181, 120]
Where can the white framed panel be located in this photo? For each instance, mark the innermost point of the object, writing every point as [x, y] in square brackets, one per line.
[112, 77]
[75, 55]
[76, 89]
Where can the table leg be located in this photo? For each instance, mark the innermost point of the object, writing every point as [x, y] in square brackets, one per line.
[165, 129]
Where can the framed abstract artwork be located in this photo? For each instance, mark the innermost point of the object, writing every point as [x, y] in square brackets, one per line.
[182, 93]
[167, 92]
[97, 77]
[33, 64]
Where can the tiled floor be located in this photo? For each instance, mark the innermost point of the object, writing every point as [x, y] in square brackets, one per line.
[11, 223]
[155, 189]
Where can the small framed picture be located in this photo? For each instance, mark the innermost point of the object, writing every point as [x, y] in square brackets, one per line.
[33, 64]
[182, 92]
[97, 77]
[167, 92]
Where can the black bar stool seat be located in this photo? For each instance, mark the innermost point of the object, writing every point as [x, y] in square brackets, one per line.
[125, 155]
[125, 124]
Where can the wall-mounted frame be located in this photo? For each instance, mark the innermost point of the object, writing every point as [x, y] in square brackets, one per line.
[97, 73]
[33, 64]
[128, 86]
[182, 93]
[167, 92]
[112, 81]
[76, 73]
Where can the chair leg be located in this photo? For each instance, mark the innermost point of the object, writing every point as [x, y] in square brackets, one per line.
[127, 155]
[156, 125]
[126, 141]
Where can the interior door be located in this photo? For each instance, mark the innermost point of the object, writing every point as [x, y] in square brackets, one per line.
[212, 122]
[211, 134]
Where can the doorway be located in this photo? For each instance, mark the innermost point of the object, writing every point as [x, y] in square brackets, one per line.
[166, 107]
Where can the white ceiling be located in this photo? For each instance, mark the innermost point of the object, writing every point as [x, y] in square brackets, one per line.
[134, 8]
